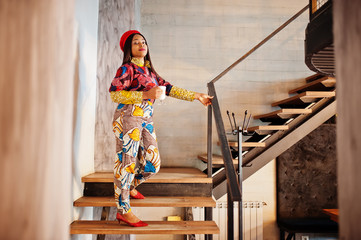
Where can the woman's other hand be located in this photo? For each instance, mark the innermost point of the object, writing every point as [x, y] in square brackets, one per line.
[205, 99]
[153, 93]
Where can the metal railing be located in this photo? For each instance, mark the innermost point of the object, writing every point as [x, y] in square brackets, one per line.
[317, 6]
[234, 179]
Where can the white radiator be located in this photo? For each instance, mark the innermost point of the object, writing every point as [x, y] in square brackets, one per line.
[252, 220]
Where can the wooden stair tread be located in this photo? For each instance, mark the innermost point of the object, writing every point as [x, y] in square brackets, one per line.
[216, 159]
[165, 175]
[313, 77]
[305, 97]
[267, 128]
[284, 113]
[246, 144]
[149, 201]
[316, 76]
[154, 227]
[325, 81]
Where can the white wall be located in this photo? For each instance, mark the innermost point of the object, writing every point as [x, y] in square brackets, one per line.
[261, 186]
[83, 153]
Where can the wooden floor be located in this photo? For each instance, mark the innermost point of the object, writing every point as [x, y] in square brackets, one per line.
[155, 227]
[149, 201]
[165, 175]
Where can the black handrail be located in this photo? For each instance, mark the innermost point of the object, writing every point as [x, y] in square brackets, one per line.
[227, 157]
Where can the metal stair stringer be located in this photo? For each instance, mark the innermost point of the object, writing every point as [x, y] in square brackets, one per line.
[279, 146]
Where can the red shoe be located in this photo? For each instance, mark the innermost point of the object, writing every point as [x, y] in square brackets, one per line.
[137, 196]
[137, 224]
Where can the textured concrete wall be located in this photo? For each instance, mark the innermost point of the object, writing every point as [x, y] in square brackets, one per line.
[193, 41]
[307, 175]
[115, 17]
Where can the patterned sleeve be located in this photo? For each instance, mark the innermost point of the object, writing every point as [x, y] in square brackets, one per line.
[122, 79]
[182, 94]
[176, 92]
[126, 97]
[121, 83]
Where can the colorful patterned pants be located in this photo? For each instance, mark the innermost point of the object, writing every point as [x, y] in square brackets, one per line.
[137, 156]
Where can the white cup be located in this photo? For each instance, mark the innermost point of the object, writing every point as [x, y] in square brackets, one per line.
[162, 97]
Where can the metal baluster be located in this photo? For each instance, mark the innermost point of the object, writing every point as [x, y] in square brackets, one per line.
[240, 180]
[230, 215]
[208, 211]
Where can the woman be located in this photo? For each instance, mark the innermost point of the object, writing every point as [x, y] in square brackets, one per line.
[135, 87]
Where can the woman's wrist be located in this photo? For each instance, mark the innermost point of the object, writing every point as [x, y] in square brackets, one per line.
[197, 95]
[205, 99]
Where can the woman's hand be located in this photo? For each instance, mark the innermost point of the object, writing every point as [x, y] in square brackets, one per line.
[153, 93]
[205, 99]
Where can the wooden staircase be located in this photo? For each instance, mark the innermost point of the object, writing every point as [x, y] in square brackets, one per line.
[171, 187]
[189, 187]
[308, 107]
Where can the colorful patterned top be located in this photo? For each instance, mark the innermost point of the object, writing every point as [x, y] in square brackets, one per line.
[132, 79]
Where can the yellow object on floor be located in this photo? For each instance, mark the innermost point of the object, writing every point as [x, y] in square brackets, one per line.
[174, 218]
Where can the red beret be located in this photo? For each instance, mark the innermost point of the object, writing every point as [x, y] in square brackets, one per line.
[125, 36]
